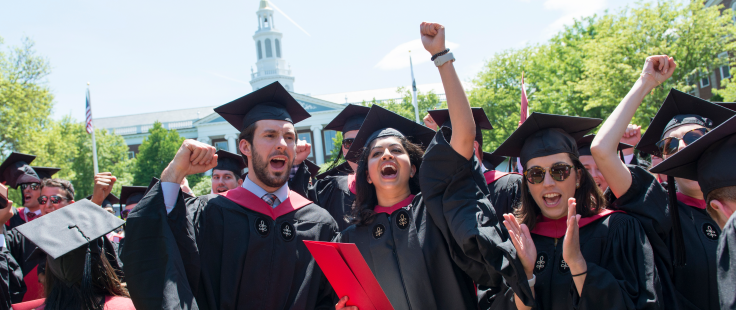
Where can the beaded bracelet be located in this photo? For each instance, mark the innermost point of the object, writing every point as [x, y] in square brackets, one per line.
[440, 54]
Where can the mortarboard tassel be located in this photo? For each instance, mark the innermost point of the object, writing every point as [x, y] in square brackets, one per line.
[679, 259]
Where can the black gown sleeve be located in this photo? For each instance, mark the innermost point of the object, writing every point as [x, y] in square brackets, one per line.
[726, 256]
[460, 209]
[156, 274]
[12, 287]
[299, 183]
[626, 276]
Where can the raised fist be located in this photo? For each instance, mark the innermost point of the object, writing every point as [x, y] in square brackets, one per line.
[193, 157]
[429, 122]
[658, 69]
[433, 37]
[103, 186]
[303, 148]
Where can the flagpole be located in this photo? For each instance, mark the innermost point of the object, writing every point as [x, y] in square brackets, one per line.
[413, 90]
[94, 144]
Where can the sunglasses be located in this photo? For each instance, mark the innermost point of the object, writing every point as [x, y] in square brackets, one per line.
[54, 199]
[558, 172]
[346, 143]
[124, 214]
[671, 145]
[34, 186]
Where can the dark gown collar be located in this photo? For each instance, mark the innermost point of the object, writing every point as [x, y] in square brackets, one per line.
[351, 183]
[391, 209]
[248, 200]
[690, 201]
[494, 175]
[557, 228]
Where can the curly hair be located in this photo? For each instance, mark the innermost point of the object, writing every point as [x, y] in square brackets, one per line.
[365, 198]
[590, 199]
[60, 183]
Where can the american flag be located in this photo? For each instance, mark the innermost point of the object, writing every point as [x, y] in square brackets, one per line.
[89, 113]
[524, 102]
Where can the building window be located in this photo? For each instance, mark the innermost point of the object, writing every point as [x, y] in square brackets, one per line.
[329, 143]
[269, 54]
[725, 69]
[307, 136]
[131, 154]
[258, 47]
[704, 82]
[220, 144]
[278, 48]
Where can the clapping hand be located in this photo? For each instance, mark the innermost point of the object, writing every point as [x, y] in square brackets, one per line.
[522, 240]
[571, 245]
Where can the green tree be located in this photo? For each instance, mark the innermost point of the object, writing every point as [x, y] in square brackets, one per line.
[155, 153]
[587, 68]
[25, 99]
[203, 187]
[112, 156]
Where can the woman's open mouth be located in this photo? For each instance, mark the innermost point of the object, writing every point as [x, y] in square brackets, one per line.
[389, 171]
[552, 199]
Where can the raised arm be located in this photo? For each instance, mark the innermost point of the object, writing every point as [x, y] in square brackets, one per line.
[463, 126]
[656, 70]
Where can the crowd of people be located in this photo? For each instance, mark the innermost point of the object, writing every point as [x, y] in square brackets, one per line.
[584, 222]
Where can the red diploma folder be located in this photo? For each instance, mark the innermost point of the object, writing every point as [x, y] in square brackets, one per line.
[349, 274]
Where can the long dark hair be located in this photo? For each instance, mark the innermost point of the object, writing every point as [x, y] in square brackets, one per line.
[60, 295]
[590, 199]
[365, 197]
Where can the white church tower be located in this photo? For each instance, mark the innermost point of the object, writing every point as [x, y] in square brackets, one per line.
[271, 66]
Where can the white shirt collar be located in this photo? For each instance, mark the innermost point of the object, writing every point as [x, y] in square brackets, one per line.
[26, 211]
[282, 193]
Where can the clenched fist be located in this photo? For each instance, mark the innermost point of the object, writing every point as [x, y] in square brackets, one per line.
[303, 148]
[103, 186]
[193, 157]
[433, 37]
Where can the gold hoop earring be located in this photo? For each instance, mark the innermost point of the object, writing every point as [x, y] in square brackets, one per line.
[577, 185]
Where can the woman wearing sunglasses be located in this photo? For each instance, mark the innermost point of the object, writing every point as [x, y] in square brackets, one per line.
[335, 189]
[421, 257]
[682, 234]
[582, 255]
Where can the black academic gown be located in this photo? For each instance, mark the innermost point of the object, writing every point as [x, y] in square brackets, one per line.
[693, 286]
[620, 274]
[15, 221]
[12, 287]
[21, 249]
[428, 251]
[333, 193]
[504, 193]
[228, 251]
[727, 265]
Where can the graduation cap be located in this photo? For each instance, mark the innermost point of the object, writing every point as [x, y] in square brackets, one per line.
[351, 118]
[108, 202]
[728, 105]
[16, 170]
[442, 118]
[383, 123]
[681, 109]
[132, 194]
[312, 167]
[69, 236]
[270, 102]
[585, 142]
[230, 162]
[708, 160]
[45, 172]
[491, 161]
[546, 134]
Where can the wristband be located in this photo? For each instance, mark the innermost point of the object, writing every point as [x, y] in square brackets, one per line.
[447, 50]
[580, 274]
[443, 59]
[533, 280]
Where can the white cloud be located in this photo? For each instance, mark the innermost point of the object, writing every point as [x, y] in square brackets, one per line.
[571, 9]
[398, 58]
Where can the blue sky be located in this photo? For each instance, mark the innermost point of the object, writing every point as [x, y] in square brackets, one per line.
[146, 56]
